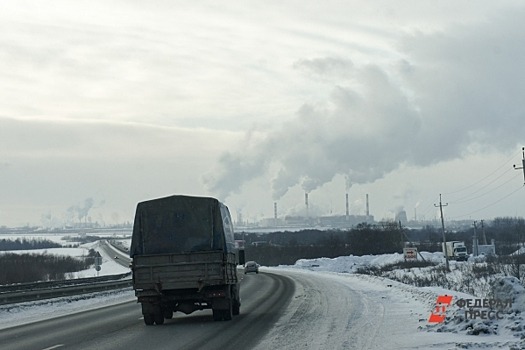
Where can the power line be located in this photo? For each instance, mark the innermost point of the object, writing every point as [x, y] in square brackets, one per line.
[491, 204]
[466, 199]
[522, 164]
[485, 177]
[470, 198]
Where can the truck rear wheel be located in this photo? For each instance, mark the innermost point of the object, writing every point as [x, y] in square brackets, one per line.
[236, 307]
[227, 314]
[148, 319]
[168, 314]
[159, 318]
[217, 315]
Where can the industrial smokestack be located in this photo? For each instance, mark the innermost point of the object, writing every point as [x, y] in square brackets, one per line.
[275, 210]
[239, 217]
[367, 207]
[347, 207]
[306, 203]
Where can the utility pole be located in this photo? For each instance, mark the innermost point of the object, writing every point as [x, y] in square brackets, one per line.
[522, 164]
[522, 168]
[475, 241]
[401, 234]
[483, 232]
[443, 228]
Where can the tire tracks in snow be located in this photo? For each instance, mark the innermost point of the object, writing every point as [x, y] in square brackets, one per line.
[326, 314]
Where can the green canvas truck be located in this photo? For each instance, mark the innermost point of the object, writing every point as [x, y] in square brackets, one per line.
[184, 258]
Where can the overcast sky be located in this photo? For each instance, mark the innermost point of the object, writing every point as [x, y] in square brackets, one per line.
[107, 103]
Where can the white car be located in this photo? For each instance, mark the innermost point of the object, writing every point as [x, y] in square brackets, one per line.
[251, 266]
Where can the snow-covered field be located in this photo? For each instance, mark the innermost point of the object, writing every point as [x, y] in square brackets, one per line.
[412, 305]
[108, 266]
[17, 314]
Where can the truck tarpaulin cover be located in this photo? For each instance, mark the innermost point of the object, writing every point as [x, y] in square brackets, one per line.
[180, 224]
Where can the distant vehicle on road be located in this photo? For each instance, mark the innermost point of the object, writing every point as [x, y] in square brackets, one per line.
[455, 250]
[251, 266]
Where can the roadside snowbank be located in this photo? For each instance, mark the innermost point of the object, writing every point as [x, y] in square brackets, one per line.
[471, 330]
[350, 264]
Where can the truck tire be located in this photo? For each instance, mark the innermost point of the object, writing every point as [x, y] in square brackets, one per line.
[217, 315]
[149, 319]
[159, 318]
[227, 315]
[168, 314]
[236, 308]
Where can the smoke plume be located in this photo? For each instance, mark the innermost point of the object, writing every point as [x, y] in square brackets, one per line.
[81, 211]
[452, 93]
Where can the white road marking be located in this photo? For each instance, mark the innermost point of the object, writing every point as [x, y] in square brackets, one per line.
[54, 347]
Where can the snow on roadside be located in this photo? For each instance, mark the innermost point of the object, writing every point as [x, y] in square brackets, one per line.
[33, 311]
[469, 332]
[352, 263]
[21, 313]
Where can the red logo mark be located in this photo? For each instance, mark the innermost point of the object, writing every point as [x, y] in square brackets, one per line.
[438, 314]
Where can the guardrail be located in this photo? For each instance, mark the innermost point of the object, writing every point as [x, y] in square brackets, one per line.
[22, 292]
[22, 287]
[45, 290]
[61, 291]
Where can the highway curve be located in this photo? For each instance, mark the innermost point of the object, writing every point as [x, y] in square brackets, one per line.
[264, 297]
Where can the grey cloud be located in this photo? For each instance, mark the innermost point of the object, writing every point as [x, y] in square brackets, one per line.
[328, 67]
[470, 82]
[47, 138]
[53, 161]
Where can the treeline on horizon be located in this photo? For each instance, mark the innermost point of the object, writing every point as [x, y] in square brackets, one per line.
[27, 244]
[285, 247]
[33, 267]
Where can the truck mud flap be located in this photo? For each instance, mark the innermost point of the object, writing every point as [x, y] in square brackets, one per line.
[221, 303]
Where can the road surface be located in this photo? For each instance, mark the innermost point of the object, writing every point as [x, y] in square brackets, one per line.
[264, 296]
[281, 309]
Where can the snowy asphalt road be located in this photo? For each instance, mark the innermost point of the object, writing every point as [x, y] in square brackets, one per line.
[281, 309]
[264, 297]
[314, 304]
